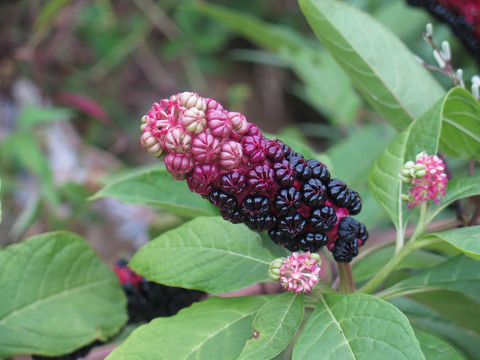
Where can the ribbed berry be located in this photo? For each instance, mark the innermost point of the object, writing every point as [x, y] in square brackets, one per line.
[233, 182]
[235, 216]
[262, 223]
[347, 229]
[291, 225]
[345, 251]
[338, 192]
[287, 201]
[260, 179]
[280, 238]
[255, 206]
[312, 241]
[274, 150]
[314, 193]
[319, 170]
[284, 173]
[254, 148]
[222, 200]
[302, 169]
[323, 219]
[355, 205]
[362, 235]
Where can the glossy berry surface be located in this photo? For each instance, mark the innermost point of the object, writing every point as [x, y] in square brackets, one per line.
[314, 193]
[348, 229]
[345, 251]
[222, 200]
[255, 206]
[312, 241]
[287, 201]
[323, 219]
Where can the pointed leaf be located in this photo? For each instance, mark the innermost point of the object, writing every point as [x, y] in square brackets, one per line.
[56, 296]
[457, 188]
[274, 327]
[378, 63]
[461, 125]
[207, 253]
[216, 328]
[356, 326]
[460, 273]
[422, 135]
[466, 239]
[434, 348]
[157, 188]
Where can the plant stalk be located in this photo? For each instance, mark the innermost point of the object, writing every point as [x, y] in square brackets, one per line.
[346, 279]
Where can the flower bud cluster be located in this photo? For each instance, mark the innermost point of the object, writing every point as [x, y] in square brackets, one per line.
[427, 178]
[297, 272]
[251, 179]
[462, 16]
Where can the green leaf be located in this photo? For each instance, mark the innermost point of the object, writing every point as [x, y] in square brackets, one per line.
[434, 322]
[460, 273]
[56, 296]
[466, 239]
[357, 153]
[378, 63]
[371, 264]
[457, 188]
[384, 183]
[216, 328]
[461, 125]
[356, 326]
[434, 348]
[326, 83]
[157, 188]
[274, 327]
[206, 253]
[31, 116]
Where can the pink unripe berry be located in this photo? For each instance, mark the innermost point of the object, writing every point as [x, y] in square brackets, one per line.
[205, 148]
[239, 122]
[213, 104]
[193, 120]
[151, 144]
[220, 125]
[178, 164]
[253, 147]
[231, 154]
[205, 173]
[177, 140]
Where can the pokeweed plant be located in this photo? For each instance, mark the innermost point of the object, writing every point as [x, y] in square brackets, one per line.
[259, 211]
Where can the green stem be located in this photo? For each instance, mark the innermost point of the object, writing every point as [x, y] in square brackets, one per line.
[346, 278]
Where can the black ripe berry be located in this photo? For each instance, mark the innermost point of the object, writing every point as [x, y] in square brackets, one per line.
[348, 228]
[338, 192]
[312, 241]
[291, 225]
[300, 165]
[222, 200]
[319, 171]
[355, 204]
[233, 215]
[314, 192]
[262, 223]
[345, 251]
[274, 150]
[255, 206]
[323, 219]
[287, 201]
[233, 182]
[362, 233]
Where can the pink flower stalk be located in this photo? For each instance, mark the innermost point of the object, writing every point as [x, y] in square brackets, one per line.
[430, 186]
[299, 272]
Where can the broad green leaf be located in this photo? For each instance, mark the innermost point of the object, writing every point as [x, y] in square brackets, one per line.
[371, 264]
[460, 274]
[206, 253]
[356, 326]
[384, 183]
[31, 116]
[216, 328]
[56, 296]
[274, 327]
[457, 188]
[434, 348]
[356, 154]
[326, 84]
[434, 322]
[157, 188]
[461, 125]
[466, 239]
[377, 62]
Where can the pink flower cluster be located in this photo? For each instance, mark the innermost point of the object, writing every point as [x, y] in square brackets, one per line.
[299, 272]
[432, 185]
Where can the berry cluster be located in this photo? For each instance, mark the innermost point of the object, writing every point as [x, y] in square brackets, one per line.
[148, 300]
[463, 16]
[251, 179]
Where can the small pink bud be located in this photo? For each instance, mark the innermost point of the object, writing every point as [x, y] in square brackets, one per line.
[261, 178]
[205, 173]
[193, 120]
[205, 148]
[177, 140]
[192, 100]
[239, 122]
[253, 147]
[231, 154]
[219, 124]
[178, 164]
[299, 272]
[200, 188]
[213, 104]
